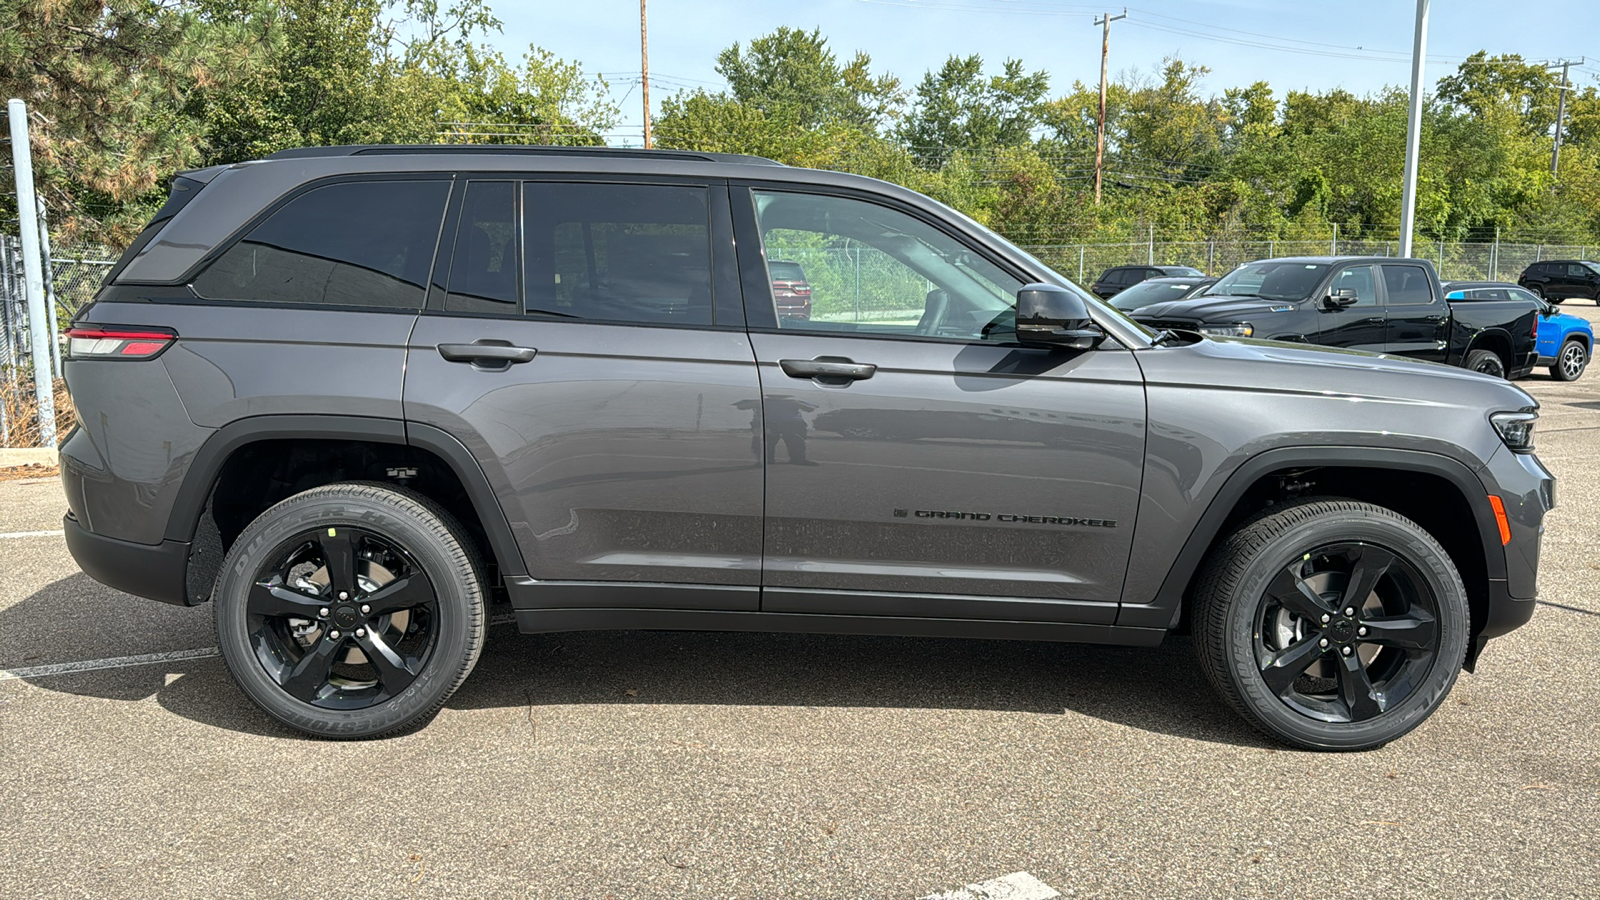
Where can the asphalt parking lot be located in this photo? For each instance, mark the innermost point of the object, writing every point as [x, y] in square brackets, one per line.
[655, 764]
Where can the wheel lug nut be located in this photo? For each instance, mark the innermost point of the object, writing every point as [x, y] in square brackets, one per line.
[1322, 643]
[333, 635]
[361, 632]
[344, 595]
[1325, 618]
[323, 612]
[365, 609]
[1348, 611]
[1362, 631]
[1347, 651]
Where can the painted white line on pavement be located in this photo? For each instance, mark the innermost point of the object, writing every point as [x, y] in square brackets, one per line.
[1016, 886]
[116, 662]
[28, 534]
[143, 659]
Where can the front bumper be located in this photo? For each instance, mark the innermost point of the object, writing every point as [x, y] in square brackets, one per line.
[1527, 489]
[153, 571]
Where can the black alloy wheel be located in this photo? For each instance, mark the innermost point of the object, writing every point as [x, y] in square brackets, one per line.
[351, 610]
[1486, 361]
[1346, 632]
[342, 618]
[1331, 624]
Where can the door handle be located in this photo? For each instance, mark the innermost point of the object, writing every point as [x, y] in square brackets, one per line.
[826, 368]
[484, 352]
[1373, 319]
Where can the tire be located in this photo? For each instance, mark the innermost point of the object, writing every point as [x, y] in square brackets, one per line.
[1260, 600]
[1571, 361]
[1486, 361]
[346, 669]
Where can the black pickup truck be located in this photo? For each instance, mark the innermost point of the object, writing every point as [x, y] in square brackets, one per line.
[1382, 304]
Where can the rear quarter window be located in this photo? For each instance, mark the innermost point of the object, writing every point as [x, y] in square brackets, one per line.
[362, 243]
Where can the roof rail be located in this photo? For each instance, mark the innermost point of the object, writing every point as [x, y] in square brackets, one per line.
[518, 150]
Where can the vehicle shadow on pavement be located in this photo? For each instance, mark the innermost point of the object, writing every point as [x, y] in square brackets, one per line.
[1158, 689]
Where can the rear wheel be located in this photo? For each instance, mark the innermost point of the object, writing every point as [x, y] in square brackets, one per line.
[1331, 625]
[1486, 361]
[351, 610]
[1571, 361]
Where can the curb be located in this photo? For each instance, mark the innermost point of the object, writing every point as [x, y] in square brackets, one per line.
[27, 456]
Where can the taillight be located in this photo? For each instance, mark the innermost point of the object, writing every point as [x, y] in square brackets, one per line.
[117, 341]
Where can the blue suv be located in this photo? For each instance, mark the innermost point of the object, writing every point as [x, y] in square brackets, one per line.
[1565, 341]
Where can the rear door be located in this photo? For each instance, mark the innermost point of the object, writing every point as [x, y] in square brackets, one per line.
[1418, 321]
[919, 461]
[587, 346]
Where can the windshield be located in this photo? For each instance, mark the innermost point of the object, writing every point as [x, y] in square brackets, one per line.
[1150, 292]
[1271, 280]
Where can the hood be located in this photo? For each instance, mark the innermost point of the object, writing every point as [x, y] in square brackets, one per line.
[1214, 309]
[1277, 366]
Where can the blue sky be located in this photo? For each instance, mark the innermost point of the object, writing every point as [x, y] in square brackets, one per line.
[1360, 45]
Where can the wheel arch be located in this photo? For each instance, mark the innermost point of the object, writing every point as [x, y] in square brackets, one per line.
[1497, 340]
[194, 519]
[1252, 486]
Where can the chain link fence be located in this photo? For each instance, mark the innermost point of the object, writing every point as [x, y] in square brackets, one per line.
[1456, 261]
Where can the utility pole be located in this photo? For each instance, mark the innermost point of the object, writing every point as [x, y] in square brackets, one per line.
[1100, 135]
[644, 71]
[1408, 197]
[1561, 108]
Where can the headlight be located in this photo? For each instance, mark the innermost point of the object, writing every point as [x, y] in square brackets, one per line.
[1238, 329]
[1516, 428]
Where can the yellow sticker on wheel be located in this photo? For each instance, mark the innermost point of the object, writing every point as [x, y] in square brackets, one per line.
[332, 533]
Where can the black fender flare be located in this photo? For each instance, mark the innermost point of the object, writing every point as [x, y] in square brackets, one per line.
[207, 463]
[1165, 609]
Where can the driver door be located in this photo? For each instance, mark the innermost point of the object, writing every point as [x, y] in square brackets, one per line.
[1360, 326]
[921, 462]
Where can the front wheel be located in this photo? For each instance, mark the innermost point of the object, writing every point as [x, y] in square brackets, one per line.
[1571, 361]
[1486, 361]
[1332, 624]
[351, 610]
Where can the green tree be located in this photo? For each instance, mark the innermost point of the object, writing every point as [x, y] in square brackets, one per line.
[958, 108]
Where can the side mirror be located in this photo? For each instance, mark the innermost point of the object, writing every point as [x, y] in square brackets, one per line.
[1340, 298]
[1051, 315]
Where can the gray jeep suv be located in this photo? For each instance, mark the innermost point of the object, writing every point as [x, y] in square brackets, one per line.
[353, 395]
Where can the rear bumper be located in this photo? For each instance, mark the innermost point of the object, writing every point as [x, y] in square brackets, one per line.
[153, 571]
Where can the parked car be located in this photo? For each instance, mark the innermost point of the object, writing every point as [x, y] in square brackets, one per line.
[1117, 279]
[1563, 279]
[1381, 304]
[791, 293]
[1566, 342]
[1161, 290]
[348, 395]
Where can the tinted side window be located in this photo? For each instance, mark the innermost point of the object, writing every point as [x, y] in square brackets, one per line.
[1520, 294]
[873, 269]
[483, 273]
[365, 243]
[618, 252]
[1407, 285]
[1578, 270]
[1358, 279]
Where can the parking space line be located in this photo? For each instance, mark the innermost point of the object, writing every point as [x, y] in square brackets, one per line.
[116, 662]
[28, 534]
[143, 659]
[1016, 886]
